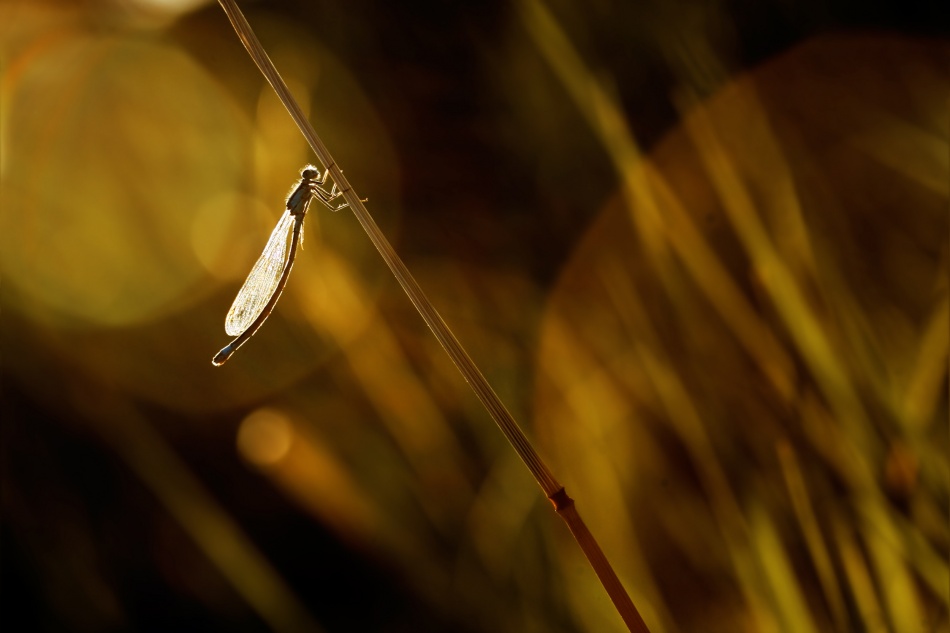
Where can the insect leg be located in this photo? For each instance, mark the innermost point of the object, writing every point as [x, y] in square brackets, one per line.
[326, 197]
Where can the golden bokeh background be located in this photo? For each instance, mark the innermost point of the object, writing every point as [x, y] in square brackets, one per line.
[699, 250]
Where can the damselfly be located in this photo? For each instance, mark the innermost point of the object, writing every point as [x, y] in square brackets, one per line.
[260, 292]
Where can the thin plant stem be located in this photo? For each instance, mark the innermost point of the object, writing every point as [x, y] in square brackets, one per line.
[554, 491]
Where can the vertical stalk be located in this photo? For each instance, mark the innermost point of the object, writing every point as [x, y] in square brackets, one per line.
[563, 504]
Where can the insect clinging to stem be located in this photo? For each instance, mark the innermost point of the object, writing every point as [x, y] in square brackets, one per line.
[261, 290]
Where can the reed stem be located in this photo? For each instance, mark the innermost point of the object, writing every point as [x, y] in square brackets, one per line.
[563, 504]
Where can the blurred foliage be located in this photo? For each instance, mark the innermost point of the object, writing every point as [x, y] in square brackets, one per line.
[775, 361]
[714, 287]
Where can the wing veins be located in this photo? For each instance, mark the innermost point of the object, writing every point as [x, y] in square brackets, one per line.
[262, 281]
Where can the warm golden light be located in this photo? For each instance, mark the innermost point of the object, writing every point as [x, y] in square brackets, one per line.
[265, 436]
[225, 235]
[169, 8]
[95, 208]
[720, 317]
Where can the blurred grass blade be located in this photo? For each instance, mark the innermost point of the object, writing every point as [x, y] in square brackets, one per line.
[888, 558]
[644, 188]
[786, 594]
[147, 454]
[817, 548]
[928, 375]
[802, 322]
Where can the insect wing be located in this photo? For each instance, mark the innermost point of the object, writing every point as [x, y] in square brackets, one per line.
[262, 281]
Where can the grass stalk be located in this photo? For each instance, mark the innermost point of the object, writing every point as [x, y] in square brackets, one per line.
[563, 504]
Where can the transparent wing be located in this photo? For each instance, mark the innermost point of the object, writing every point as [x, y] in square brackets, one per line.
[261, 283]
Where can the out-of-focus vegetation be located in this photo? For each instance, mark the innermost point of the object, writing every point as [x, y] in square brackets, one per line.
[729, 338]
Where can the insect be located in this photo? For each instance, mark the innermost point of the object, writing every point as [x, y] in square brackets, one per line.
[262, 288]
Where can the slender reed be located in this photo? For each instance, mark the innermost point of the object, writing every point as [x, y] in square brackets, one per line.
[554, 491]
